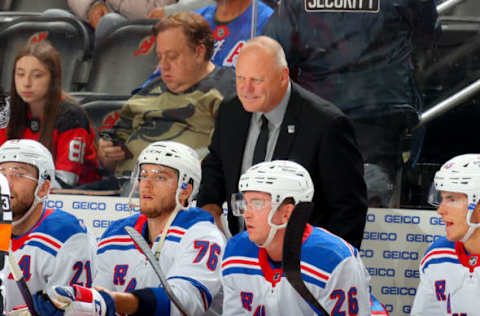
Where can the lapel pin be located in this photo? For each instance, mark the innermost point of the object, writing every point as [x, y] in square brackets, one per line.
[291, 129]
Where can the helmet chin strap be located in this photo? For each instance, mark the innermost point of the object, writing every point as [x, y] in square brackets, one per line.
[468, 234]
[177, 197]
[471, 226]
[273, 229]
[37, 200]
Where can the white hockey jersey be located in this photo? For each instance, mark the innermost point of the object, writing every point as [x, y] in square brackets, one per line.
[449, 281]
[56, 251]
[189, 258]
[330, 267]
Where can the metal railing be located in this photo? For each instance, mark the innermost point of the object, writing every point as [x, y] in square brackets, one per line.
[448, 5]
[449, 103]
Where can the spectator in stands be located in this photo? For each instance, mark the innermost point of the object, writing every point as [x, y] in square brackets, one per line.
[180, 105]
[106, 15]
[272, 119]
[231, 23]
[360, 58]
[39, 110]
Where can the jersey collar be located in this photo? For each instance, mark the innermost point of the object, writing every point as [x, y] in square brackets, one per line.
[470, 261]
[17, 242]
[141, 228]
[271, 274]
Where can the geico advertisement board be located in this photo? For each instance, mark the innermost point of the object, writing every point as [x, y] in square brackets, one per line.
[393, 243]
[95, 212]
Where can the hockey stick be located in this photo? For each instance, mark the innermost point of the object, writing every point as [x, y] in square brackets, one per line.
[292, 248]
[21, 283]
[142, 244]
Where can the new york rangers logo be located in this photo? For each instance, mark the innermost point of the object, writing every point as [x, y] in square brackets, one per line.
[247, 300]
[448, 165]
[231, 60]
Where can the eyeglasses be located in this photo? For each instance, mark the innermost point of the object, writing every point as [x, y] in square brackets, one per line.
[157, 176]
[240, 204]
[17, 173]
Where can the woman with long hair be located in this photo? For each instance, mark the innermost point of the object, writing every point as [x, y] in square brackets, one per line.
[39, 110]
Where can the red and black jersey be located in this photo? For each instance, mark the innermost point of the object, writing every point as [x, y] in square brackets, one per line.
[74, 142]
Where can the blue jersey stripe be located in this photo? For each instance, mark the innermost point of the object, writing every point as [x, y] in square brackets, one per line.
[439, 260]
[115, 247]
[228, 271]
[34, 243]
[198, 285]
[315, 281]
[173, 238]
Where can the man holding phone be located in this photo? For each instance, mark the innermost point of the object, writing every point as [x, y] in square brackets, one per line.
[179, 105]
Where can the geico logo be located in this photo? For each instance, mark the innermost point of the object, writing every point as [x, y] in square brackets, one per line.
[402, 255]
[382, 272]
[100, 223]
[406, 309]
[421, 238]
[394, 290]
[366, 253]
[371, 218]
[123, 207]
[436, 221]
[389, 307]
[411, 274]
[54, 204]
[101, 206]
[399, 219]
[379, 236]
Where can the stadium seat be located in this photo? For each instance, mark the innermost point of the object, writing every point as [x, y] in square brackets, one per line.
[32, 5]
[124, 60]
[68, 35]
[103, 113]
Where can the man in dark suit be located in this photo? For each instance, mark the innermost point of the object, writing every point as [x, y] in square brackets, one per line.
[302, 127]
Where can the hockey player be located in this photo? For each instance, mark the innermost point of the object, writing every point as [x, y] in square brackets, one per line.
[185, 240]
[450, 269]
[51, 246]
[252, 276]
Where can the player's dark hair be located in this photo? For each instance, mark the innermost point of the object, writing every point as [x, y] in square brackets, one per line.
[288, 200]
[50, 58]
[194, 26]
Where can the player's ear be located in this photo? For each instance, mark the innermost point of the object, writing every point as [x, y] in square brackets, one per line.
[476, 214]
[287, 212]
[44, 189]
[187, 190]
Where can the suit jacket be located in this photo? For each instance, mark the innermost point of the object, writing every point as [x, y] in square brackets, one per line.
[315, 134]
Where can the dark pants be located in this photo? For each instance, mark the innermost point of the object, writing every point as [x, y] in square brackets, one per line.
[381, 140]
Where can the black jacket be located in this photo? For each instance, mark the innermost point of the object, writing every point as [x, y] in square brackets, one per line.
[322, 141]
